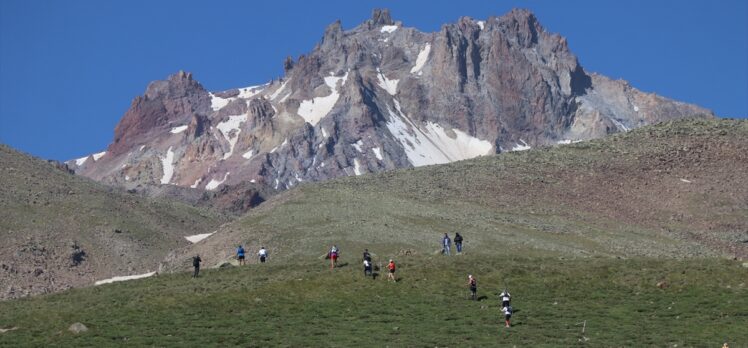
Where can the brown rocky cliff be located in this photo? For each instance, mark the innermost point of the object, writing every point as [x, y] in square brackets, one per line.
[176, 99]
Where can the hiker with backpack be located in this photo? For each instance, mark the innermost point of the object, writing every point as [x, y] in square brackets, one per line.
[446, 243]
[367, 268]
[334, 254]
[367, 263]
[263, 254]
[391, 268]
[196, 263]
[505, 297]
[458, 242]
[507, 310]
[473, 285]
[240, 255]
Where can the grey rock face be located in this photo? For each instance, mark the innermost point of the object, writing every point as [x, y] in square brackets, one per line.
[377, 97]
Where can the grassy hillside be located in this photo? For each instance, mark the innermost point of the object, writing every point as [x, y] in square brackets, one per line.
[303, 303]
[629, 238]
[677, 189]
[58, 230]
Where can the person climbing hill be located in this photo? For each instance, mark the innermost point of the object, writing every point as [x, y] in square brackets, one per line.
[473, 285]
[263, 254]
[367, 268]
[334, 254]
[446, 243]
[458, 242]
[196, 263]
[507, 310]
[505, 297]
[391, 274]
[240, 255]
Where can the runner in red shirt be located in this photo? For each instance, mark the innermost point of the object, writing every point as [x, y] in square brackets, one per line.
[391, 267]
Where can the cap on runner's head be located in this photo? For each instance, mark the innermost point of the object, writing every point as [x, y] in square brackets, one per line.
[391, 260]
[470, 275]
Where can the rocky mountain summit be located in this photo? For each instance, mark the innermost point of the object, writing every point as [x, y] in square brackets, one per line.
[373, 98]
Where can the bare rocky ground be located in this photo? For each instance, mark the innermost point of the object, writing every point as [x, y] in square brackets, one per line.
[58, 230]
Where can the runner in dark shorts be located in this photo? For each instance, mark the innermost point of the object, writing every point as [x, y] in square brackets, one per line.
[391, 267]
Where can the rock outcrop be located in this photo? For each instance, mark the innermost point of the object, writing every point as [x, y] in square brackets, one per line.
[376, 97]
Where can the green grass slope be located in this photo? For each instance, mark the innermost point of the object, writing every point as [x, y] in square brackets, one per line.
[616, 242]
[598, 302]
[676, 189]
[48, 217]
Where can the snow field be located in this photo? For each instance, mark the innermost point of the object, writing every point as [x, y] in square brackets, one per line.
[313, 110]
[230, 130]
[431, 144]
[213, 184]
[423, 56]
[124, 278]
[167, 162]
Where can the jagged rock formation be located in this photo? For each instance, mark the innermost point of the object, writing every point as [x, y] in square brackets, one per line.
[377, 97]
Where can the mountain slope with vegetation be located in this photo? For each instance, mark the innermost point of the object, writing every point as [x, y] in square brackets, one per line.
[676, 189]
[59, 230]
[624, 241]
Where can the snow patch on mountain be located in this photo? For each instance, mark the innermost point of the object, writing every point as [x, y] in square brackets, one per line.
[197, 182]
[357, 167]
[620, 125]
[358, 145]
[278, 91]
[248, 154]
[482, 25]
[251, 91]
[79, 162]
[167, 162]
[433, 144]
[198, 237]
[521, 147]
[312, 111]
[388, 29]
[96, 156]
[377, 152]
[177, 130]
[423, 56]
[388, 85]
[216, 102]
[124, 278]
[230, 130]
[213, 184]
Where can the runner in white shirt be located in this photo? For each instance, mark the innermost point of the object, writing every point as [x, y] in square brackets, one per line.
[263, 254]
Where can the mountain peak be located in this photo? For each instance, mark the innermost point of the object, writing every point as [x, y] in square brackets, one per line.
[181, 75]
[380, 17]
[376, 98]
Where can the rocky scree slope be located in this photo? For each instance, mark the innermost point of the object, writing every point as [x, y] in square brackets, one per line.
[58, 230]
[377, 97]
[675, 190]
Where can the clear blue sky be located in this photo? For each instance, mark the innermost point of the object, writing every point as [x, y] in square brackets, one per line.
[69, 69]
